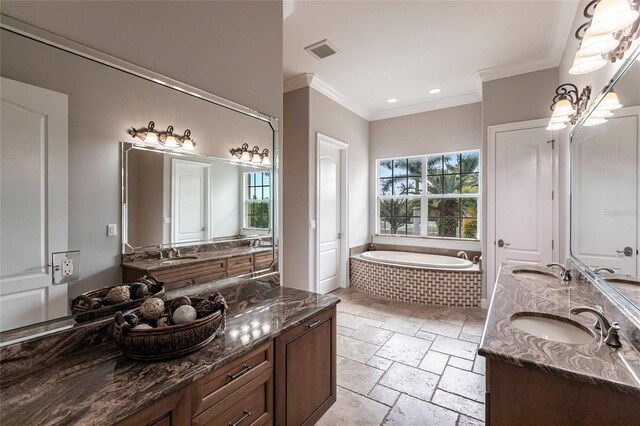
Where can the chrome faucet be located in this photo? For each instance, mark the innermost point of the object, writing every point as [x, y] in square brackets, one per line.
[608, 331]
[174, 252]
[565, 274]
[603, 268]
[463, 255]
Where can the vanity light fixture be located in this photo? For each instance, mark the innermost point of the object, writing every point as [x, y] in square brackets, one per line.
[612, 27]
[150, 136]
[251, 156]
[609, 103]
[568, 105]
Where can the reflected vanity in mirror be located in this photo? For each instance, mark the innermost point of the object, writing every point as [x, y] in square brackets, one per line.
[78, 205]
[191, 218]
[605, 189]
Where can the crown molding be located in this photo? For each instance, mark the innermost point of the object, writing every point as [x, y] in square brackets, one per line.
[427, 106]
[316, 83]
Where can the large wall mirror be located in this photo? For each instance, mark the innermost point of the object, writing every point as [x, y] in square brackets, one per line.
[74, 179]
[605, 189]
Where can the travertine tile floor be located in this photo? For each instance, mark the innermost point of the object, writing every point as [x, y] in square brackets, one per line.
[406, 364]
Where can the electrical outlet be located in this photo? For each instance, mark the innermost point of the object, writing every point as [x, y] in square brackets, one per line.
[67, 267]
[112, 230]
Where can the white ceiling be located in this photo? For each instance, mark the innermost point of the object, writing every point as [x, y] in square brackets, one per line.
[398, 49]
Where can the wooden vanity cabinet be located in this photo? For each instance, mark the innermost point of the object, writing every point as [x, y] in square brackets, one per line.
[306, 370]
[174, 410]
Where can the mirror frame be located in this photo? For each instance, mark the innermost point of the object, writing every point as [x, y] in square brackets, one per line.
[66, 323]
[632, 311]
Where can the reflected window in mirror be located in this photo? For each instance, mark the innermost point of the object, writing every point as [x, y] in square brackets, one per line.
[256, 200]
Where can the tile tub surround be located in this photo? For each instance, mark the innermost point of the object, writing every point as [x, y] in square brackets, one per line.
[99, 386]
[406, 364]
[459, 288]
[595, 363]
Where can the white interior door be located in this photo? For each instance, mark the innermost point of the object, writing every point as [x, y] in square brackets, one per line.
[523, 197]
[329, 223]
[190, 201]
[33, 202]
[604, 195]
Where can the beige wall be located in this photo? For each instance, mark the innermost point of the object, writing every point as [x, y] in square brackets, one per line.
[307, 113]
[446, 130]
[243, 61]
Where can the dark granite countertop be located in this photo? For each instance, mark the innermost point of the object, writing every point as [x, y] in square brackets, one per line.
[152, 265]
[595, 363]
[100, 386]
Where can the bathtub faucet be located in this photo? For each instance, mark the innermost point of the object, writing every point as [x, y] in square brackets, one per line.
[463, 255]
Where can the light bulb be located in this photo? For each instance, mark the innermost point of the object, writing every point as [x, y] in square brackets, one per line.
[171, 141]
[594, 121]
[611, 16]
[245, 155]
[187, 144]
[597, 44]
[151, 138]
[563, 108]
[556, 126]
[265, 160]
[587, 64]
[609, 103]
[255, 158]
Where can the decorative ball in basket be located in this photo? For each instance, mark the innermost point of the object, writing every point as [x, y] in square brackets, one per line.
[161, 330]
[105, 301]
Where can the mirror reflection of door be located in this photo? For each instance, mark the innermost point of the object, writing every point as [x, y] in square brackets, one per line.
[604, 194]
[33, 203]
[190, 201]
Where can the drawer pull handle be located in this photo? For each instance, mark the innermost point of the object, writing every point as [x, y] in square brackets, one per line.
[313, 324]
[245, 368]
[245, 413]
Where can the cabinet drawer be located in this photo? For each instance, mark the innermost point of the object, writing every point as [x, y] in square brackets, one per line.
[239, 271]
[216, 386]
[260, 258]
[239, 262]
[250, 405]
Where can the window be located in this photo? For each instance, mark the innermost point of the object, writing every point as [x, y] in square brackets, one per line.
[257, 193]
[440, 191]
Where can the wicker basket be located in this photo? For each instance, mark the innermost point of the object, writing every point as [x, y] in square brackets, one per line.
[82, 314]
[164, 343]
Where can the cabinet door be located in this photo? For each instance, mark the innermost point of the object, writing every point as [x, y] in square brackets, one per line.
[174, 410]
[306, 370]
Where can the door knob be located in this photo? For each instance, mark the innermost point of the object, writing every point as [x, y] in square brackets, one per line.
[339, 235]
[501, 243]
[627, 251]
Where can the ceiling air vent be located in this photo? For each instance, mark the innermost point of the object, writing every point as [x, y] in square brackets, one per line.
[321, 49]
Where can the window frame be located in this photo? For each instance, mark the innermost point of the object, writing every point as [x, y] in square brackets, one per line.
[424, 197]
[247, 201]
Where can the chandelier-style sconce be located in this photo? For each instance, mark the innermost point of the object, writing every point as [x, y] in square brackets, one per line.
[568, 105]
[150, 136]
[251, 156]
[612, 27]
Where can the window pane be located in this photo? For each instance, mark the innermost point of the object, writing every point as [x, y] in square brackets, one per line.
[258, 178]
[448, 227]
[469, 183]
[435, 184]
[399, 208]
[451, 184]
[400, 167]
[400, 186]
[415, 185]
[469, 207]
[266, 192]
[470, 228]
[450, 207]
[451, 163]
[413, 208]
[384, 170]
[413, 226]
[385, 208]
[415, 167]
[434, 164]
[435, 204]
[470, 162]
[267, 179]
[386, 185]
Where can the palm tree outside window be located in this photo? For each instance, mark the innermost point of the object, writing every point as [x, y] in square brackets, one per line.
[429, 196]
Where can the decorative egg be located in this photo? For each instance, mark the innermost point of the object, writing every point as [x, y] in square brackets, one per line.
[205, 308]
[180, 301]
[152, 309]
[132, 320]
[138, 290]
[164, 321]
[118, 294]
[142, 326]
[96, 303]
[184, 313]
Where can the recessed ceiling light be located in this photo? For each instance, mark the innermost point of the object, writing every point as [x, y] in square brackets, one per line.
[392, 100]
[434, 91]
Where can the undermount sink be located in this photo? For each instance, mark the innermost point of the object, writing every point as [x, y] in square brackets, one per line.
[177, 260]
[623, 281]
[553, 328]
[533, 273]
